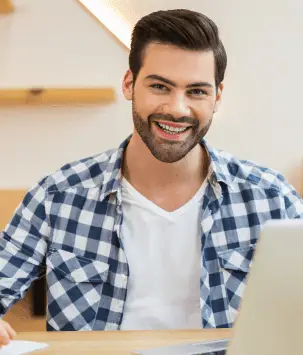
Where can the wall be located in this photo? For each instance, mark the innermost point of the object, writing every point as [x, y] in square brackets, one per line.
[57, 43]
[261, 117]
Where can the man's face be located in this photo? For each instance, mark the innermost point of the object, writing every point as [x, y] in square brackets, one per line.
[173, 99]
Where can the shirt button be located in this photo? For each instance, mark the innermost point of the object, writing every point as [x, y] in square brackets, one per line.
[213, 180]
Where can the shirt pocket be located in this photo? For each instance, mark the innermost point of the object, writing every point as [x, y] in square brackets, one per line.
[235, 265]
[75, 286]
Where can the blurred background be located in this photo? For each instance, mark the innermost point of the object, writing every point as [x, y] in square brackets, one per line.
[59, 44]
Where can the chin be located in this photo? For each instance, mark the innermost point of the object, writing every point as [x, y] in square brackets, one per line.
[167, 158]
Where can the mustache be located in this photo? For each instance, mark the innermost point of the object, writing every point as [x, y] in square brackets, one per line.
[171, 118]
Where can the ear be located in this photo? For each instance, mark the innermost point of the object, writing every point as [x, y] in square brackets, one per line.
[127, 85]
[218, 97]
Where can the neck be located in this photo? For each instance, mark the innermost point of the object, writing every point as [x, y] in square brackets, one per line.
[140, 166]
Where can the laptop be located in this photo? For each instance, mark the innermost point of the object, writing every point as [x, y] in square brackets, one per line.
[270, 320]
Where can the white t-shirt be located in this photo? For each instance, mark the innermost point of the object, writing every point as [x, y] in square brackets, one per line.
[163, 250]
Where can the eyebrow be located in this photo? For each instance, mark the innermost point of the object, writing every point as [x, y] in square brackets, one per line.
[167, 81]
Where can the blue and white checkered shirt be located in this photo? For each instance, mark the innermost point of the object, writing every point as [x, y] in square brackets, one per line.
[68, 226]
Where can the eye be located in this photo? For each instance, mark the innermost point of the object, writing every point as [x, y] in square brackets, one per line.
[197, 92]
[159, 87]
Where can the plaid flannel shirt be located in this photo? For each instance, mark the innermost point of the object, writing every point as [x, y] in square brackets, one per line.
[68, 227]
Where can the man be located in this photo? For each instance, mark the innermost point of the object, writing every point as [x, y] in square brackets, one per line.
[159, 233]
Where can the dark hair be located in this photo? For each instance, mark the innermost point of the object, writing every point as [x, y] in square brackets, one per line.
[183, 28]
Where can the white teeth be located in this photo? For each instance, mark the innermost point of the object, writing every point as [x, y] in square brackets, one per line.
[171, 129]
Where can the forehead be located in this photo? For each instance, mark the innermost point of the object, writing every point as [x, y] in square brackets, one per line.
[178, 64]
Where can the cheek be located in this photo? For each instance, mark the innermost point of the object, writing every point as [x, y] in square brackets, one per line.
[147, 104]
[205, 112]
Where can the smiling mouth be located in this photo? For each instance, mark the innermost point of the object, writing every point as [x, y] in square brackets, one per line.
[171, 130]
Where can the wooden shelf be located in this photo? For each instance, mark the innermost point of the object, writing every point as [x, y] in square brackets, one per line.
[6, 6]
[52, 96]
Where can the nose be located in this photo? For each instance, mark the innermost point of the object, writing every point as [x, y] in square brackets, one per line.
[177, 106]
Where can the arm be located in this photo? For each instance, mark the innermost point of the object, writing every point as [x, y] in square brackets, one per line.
[23, 246]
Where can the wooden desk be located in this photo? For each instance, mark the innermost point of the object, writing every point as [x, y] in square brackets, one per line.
[115, 342]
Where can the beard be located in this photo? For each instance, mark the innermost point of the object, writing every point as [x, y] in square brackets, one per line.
[168, 151]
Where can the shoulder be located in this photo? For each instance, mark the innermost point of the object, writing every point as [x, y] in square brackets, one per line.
[256, 182]
[86, 173]
[247, 173]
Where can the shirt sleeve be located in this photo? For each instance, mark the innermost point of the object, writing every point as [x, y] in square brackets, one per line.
[293, 202]
[23, 245]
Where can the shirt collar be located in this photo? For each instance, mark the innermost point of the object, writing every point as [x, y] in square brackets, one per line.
[112, 175]
[218, 166]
